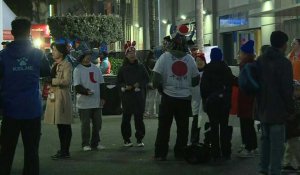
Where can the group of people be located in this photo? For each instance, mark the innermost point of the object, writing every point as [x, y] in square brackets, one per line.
[186, 82]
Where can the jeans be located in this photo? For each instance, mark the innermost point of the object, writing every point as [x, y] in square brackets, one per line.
[272, 148]
[31, 132]
[86, 116]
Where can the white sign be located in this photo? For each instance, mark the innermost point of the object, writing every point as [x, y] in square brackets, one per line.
[206, 52]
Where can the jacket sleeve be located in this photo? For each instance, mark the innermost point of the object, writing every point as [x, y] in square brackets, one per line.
[45, 67]
[287, 88]
[67, 77]
[120, 78]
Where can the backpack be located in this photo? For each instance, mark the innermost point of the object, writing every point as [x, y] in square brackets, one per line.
[197, 153]
[249, 78]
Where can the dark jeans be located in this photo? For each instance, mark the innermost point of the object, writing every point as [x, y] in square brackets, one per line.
[31, 132]
[248, 134]
[195, 131]
[179, 109]
[86, 115]
[139, 127]
[221, 134]
[65, 135]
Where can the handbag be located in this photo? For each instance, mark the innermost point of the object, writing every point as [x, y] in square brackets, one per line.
[45, 91]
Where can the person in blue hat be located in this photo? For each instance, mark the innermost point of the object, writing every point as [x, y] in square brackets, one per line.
[89, 85]
[245, 107]
[216, 85]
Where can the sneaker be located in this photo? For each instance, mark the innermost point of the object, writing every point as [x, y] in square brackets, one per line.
[255, 152]
[140, 144]
[60, 155]
[128, 144]
[160, 158]
[288, 168]
[86, 148]
[100, 147]
[245, 154]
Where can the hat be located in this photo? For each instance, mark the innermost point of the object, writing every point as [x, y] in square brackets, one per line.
[216, 54]
[248, 47]
[183, 30]
[82, 51]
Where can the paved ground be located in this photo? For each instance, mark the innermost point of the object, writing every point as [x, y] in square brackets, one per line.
[116, 160]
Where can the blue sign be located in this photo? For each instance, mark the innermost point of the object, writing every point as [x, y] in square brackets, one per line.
[233, 20]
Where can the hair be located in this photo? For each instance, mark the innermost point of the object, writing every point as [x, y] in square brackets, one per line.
[20, 27]
[167, 38]
[278, 39]
[264, 48]
[61, 47]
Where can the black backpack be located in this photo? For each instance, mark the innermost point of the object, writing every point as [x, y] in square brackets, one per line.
[197, 153]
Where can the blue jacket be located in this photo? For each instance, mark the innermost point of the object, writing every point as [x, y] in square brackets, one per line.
[21, 67]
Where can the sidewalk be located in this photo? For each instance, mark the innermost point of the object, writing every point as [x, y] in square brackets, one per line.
[117, 160]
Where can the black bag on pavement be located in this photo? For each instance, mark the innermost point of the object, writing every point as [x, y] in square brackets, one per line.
[197, 154]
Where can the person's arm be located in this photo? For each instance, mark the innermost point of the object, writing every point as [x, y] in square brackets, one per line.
[77, 83]
[195, 74]
[158, 71]
[45, 67]
[66, 79]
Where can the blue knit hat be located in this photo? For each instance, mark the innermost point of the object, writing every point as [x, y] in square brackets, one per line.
[248, 47]
[216, 54]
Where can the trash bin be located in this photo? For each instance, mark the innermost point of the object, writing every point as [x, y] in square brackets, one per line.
[112, 105]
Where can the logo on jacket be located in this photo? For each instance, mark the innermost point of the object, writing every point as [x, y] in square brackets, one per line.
[22, 65]
[92, 77]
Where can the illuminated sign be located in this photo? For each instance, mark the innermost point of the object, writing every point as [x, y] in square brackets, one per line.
[233, 20]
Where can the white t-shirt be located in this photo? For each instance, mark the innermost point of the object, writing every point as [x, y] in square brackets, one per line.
[91, 78]
[177, 74]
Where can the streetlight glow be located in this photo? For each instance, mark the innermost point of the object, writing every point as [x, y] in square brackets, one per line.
[164, 21]
[183, 17]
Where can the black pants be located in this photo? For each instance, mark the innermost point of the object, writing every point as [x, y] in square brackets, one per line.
[65, 135]
[248, 133]
[31, 132]
[172, 107]
[221, 134]
[195, 131]
[139, 127]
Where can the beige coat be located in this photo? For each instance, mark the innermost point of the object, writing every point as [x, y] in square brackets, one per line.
[59, 110]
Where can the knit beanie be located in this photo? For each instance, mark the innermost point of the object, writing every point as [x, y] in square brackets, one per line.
[216, 54]
[248, 47]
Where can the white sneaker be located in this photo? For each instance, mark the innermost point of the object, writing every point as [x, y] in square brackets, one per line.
[100, 147]
[245, 154]
[140, 144]
[86, 148]
[255, 152]
[128, 144]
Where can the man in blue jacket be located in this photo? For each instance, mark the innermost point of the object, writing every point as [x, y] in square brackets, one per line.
[21, 66]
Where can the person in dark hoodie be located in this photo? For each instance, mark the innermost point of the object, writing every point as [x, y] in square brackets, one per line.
[174, 75]
[133, 79]
[21, 66]
[275, 102]
[216, 83]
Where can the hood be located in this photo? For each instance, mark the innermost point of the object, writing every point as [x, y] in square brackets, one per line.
[272, 53]
[19, 48]
[216, 67]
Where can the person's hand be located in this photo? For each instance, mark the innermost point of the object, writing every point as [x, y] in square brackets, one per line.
[102, 102]
[136, 85]
[90, 92]
[128, 87]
